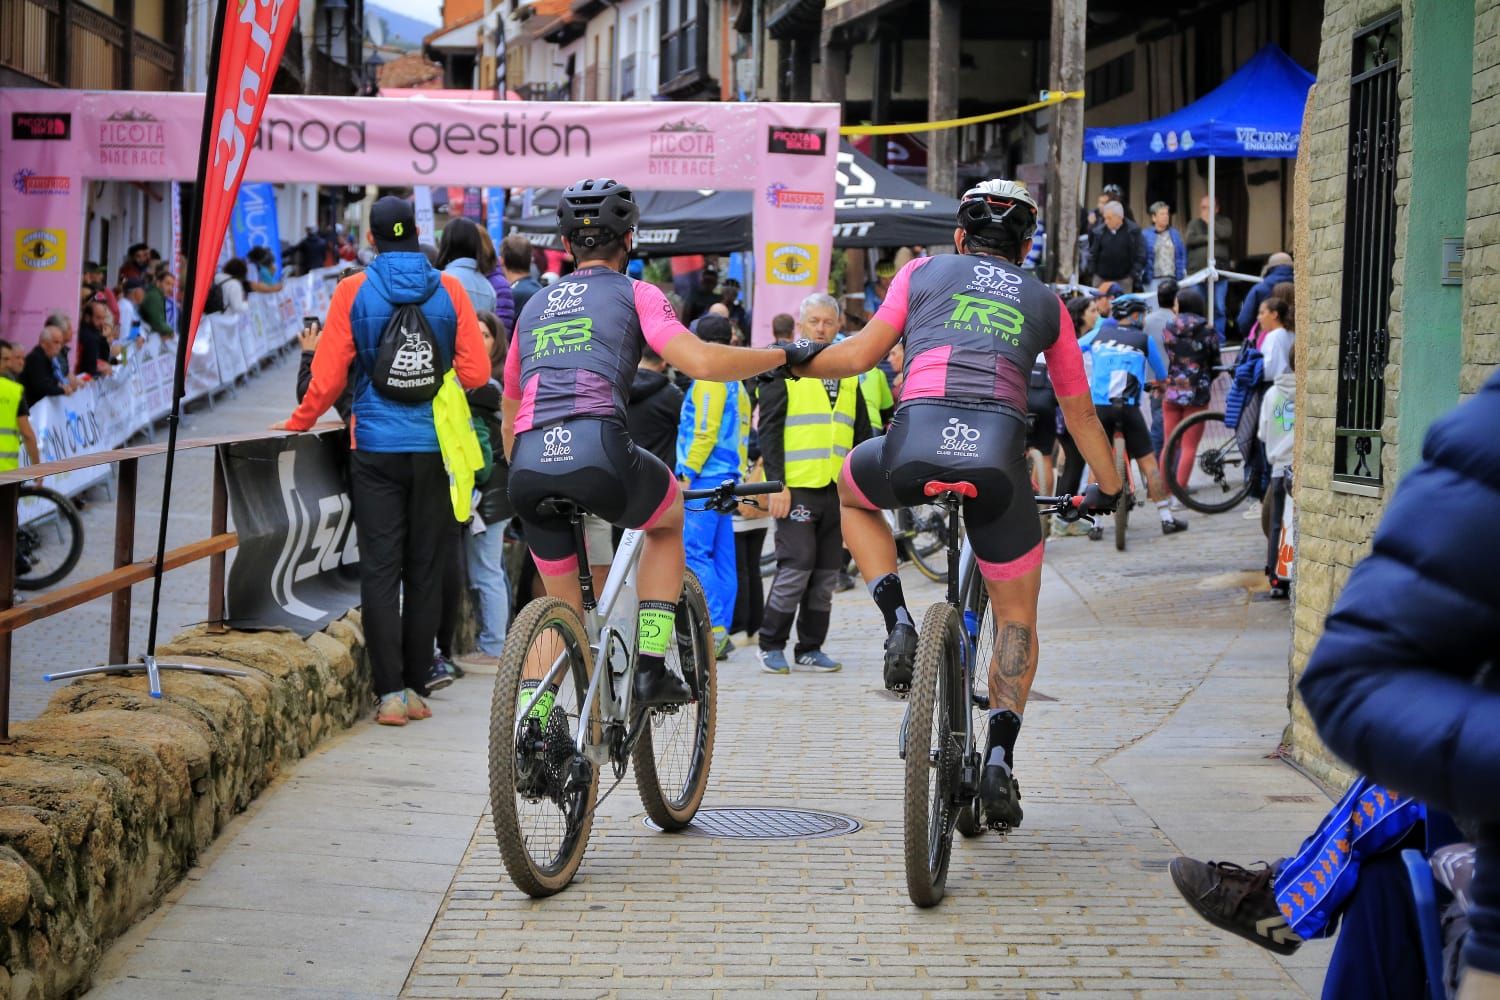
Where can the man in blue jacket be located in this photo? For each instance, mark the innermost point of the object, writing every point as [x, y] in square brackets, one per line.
[1403, 684]
[1278, 269]
[712, 436]
[1166, 254]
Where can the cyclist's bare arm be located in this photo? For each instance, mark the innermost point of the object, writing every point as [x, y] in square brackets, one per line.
[1088, 434]
[854, 355]
[508, 410]
[719, 362]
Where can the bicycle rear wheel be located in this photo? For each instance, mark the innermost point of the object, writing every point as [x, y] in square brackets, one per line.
[542, 791]
[1222, 483]
[922, 536]
[49, 538]
[970, 820]
[1127, 496]
[934, 754]
[673, 754]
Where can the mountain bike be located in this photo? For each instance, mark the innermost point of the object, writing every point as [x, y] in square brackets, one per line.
[943, 764]
[921, 535]
[49, 537]
[556, 720]
[1220, 456]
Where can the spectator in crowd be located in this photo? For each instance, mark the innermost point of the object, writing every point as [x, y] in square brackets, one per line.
[1192, 350]
[1166, 254]
[1104, 305]
[712, 435]
[234, 284]
[654, 409]
[137, 263]
[398, 481]
[1107, 194]
[1164, 296]
[1278, 269]
[1402, 684]
[1117, 253]
[458, 255]
[515, 258]
[1196, 239]
[1276, 340]
[1083, 310]
[97, 341]
[1278, 414]
[94, 278]
[260, 270]
[311, 252]
[42, 375]
[783, 327]
[154, 310]
[729, 298]
[806, 428]
[489, 266]
[348, 253]
[15, 414]
[132, 294]
[705, 294]
[877, 287]
[685, 275]
[312, 333]
[64, 360]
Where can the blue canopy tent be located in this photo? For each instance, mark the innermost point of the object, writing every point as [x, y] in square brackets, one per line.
[1256, 113]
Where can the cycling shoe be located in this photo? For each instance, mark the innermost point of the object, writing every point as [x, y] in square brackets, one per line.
[900, 654]
[1001, 794]
[660, 687]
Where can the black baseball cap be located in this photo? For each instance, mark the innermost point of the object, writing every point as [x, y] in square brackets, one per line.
[393, 220]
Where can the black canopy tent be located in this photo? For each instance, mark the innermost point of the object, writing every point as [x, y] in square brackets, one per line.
[874, 208]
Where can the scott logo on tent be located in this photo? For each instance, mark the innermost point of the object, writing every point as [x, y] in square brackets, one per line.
[570, 335]
[977, 314]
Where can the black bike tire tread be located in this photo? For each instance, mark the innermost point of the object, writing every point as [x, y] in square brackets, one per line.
[1127, 496]
[976, 600]
[66, 510]
[643, 756]
[909, 548]
[925, 887]
[1169, 453]
[533, 619]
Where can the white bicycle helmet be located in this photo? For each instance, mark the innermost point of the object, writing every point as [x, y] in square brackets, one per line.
[998, 210]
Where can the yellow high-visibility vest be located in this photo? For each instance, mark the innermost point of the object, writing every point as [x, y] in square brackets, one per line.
[10, 424]
[818, 436]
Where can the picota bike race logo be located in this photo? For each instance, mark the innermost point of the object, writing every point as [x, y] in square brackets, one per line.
[30, 182]
[41, 249]
[959, 438]
[791, 263]
[781, 196]
[37, 126]
[564, 337]
[792, 141]
[557, 445]
[683, 148]
[133, 138]
[977, 314]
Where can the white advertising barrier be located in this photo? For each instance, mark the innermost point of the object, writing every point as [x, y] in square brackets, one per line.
[106, 412]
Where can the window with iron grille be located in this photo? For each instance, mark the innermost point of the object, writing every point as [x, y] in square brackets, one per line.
[1369, 253]
[684, 40]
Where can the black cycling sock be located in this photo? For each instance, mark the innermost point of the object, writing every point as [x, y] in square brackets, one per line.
[1005, 726]
[891, 601]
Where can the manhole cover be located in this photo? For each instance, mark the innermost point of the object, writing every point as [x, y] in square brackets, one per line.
[767, 824]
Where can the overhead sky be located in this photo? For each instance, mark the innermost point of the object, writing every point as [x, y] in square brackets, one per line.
[423, 10]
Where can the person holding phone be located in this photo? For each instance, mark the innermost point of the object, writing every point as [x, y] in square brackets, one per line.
[312, 332]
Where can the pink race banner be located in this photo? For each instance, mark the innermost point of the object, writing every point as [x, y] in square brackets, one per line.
[786, 154]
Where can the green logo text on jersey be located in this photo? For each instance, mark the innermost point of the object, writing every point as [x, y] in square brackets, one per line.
[978, 314]
[574, 334]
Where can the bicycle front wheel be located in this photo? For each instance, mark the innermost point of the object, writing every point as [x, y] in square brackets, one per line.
[542, 791]
[49, 538]
[1127, 497]
[934, 754]
[673, 754]
[922, 536]
[1218, 480]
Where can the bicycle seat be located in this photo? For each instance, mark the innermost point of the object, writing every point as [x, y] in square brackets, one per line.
[961, 488]
[560, 506]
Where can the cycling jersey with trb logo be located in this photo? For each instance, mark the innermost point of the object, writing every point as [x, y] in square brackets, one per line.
[577, 343]
[973, 326]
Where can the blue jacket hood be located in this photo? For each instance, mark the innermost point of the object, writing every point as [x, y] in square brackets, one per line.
[1276, 275]
[403, 276]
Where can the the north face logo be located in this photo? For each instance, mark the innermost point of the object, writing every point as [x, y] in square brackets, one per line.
[414, 356]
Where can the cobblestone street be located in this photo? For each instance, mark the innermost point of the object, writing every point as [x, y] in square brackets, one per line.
[372, 869]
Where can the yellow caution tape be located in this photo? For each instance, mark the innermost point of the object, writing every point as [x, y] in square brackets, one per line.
[1053, 97]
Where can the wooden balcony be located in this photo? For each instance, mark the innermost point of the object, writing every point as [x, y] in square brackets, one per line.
[68, 44]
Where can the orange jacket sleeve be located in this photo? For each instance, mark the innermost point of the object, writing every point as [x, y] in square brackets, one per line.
[330, 364]
[470, 360]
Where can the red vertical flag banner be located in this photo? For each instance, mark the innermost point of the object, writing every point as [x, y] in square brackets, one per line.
[251, 35]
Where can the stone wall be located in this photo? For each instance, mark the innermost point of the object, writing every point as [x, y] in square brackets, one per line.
[109, 796]
[1333, 529]
[1482, 236]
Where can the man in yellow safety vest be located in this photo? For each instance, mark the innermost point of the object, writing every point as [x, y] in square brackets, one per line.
[15, 418]
[806, 428]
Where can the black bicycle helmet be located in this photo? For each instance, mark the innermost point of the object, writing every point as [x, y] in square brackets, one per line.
[592, 212]
[998, 213]
[1125, 307]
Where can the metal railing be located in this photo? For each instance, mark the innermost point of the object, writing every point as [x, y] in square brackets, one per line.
[127, 571]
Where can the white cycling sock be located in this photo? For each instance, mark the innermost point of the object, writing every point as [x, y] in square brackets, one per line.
[1164, 508]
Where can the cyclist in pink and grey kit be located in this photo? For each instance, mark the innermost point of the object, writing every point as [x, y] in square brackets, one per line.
[972, 324]
[568, 373]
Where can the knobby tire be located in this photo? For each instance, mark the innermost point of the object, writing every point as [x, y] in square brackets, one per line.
[1229, 486]
[929, 814]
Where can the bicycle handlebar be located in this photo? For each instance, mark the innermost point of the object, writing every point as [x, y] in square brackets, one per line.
[1068, 503]
[729, 494]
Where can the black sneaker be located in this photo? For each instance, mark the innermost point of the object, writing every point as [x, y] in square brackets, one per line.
[900, 654]
[660, 687]
[1096, 534]
[1173, 526]
[1001, 793]
[843, 582]
[1237, 899]
[441, 675]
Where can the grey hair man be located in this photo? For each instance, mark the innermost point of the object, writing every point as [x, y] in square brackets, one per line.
[1117, 251]
[819, 318]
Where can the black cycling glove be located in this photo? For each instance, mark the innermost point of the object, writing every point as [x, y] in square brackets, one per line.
[800, 352]
[1096, 501]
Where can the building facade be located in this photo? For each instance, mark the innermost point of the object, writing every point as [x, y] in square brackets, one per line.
[1398, 275]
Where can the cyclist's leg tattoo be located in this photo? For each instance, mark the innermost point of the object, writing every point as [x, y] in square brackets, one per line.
[1014, 659]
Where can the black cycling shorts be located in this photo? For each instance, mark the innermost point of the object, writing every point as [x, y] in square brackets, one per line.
[1133, 426]
[592, 462]
[1041, 412]
[946, 441]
